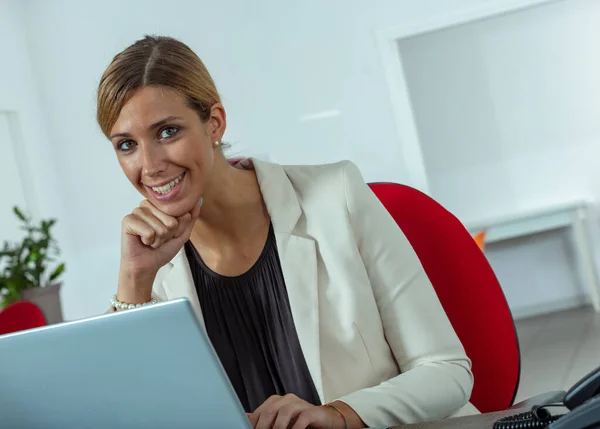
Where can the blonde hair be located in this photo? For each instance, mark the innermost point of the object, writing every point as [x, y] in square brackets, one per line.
[154, 61]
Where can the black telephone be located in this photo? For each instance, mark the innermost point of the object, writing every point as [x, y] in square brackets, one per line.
[583, 401]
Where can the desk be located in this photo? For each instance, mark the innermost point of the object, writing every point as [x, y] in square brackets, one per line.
[571, 215]
[481, 421]
[486, 421]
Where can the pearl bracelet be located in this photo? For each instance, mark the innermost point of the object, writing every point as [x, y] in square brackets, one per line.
[118, 305]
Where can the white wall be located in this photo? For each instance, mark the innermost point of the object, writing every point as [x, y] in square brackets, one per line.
[508, 113]
[274, 62]
[18, 95]
[13, 195]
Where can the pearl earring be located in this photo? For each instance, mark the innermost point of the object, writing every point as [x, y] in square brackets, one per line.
[217, 143]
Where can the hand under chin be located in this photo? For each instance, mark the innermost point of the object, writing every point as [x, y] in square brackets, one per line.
[176, 209]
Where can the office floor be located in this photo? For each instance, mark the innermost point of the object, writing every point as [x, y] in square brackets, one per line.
[557, 350]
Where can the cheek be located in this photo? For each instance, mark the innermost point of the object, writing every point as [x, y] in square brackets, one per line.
[196, 154]
[203, 163]
[131, 170]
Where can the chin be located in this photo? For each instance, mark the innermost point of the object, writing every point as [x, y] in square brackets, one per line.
[175, 209]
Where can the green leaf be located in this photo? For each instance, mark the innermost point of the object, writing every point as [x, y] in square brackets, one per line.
[57, 272]
[6, 253]
[25, 264]
[19, 214]
[34, 256]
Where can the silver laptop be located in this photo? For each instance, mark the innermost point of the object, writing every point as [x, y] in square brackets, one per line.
[151, 367]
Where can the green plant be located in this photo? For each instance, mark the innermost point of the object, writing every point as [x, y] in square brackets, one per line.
[24, 265]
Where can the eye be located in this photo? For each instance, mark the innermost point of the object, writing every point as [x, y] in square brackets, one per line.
[125, 145]
[167, 132]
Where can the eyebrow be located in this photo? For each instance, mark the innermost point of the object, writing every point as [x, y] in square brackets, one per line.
[151, 127]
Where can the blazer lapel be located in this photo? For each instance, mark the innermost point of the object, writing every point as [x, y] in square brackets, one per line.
[298, 262]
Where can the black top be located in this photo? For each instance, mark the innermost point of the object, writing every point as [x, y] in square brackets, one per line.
[249, 322]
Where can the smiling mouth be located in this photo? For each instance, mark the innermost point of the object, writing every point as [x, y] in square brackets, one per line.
[165, 189]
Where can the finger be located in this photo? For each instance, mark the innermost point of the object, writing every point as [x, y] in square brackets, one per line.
[162, 233]
[267, 412]
[132, 225]
[307, 418]
[186, 223]
[287, 414]
[253, 419]
[169, 221]
[271, 400]
[266, 419]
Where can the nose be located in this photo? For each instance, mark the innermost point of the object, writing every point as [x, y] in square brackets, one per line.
[153, 160]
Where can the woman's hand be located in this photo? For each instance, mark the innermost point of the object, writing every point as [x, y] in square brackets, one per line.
[291, 412]
[149, 239]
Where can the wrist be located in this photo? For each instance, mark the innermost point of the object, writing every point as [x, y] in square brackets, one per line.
[338, 418]
[137, 277]
[347, 418]
[135, 288]
[119, 305]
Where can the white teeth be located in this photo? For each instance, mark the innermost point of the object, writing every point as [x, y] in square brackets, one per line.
[167, 188]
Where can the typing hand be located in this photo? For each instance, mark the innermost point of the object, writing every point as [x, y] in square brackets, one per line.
[291, 412]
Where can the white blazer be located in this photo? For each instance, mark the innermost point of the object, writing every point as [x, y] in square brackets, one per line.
[370, 325]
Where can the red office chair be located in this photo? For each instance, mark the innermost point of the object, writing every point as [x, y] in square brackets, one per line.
[467, 288]
[19, 316]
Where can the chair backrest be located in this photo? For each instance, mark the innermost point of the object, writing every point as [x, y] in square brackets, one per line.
[467, 288]
[19, 316]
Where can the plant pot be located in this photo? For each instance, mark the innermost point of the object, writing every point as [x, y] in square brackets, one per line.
[48, 299]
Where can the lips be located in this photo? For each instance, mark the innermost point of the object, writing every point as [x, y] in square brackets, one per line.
[168, 191]
[165, 189]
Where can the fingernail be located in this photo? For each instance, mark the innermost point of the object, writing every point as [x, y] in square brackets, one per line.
[201, 201]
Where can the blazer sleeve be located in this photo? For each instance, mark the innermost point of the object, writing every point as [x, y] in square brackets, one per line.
[436, 379]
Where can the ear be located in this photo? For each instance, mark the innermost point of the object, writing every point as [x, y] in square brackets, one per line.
[217, 123]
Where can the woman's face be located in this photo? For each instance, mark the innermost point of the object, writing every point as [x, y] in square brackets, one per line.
[165, 150]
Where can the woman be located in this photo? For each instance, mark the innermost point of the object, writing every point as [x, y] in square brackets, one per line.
[314, 300]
